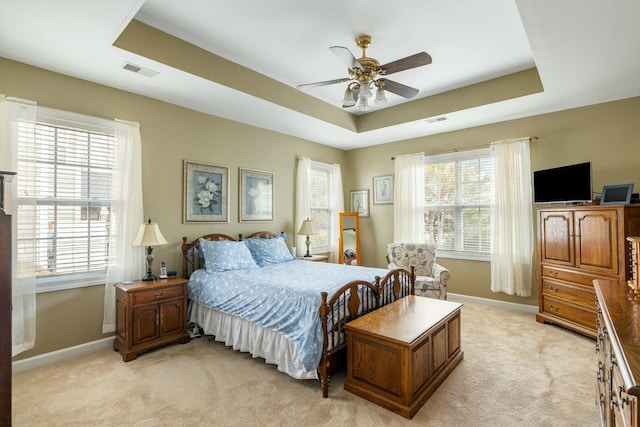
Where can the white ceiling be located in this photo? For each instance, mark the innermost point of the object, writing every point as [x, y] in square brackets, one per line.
[585, 52]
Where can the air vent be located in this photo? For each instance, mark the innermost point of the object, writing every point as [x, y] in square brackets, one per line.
[139, 70]
[436, 119]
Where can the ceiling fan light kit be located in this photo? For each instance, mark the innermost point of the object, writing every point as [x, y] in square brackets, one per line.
[364, 73]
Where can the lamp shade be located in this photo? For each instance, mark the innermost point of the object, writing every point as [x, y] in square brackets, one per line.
[307, 228]
[149, 235]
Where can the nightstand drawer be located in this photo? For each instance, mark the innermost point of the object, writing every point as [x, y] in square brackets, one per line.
[155, 295]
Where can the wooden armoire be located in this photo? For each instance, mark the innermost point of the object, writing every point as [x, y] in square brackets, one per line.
[5, 310]
[576, 245]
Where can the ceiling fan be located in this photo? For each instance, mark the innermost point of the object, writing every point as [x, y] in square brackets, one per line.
[366, 73]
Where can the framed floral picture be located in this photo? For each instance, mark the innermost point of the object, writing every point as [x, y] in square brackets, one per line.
[205, 193]
[256, 196]
[360, 202]
[382, 190]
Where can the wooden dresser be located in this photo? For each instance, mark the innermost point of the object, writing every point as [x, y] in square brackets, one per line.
[577, 245]
[618, 349]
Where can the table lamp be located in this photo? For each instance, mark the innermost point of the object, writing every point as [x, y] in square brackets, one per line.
[307, 228]
[149, 235]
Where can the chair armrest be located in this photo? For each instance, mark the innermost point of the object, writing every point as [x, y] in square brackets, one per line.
[441, 273]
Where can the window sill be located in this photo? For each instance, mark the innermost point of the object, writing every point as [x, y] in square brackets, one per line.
[469, 256]
[61, 283]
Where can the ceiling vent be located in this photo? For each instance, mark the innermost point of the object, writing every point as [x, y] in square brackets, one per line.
[139, 70]
[436, 119]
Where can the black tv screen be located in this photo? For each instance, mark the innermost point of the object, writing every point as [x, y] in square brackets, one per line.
[571, 183]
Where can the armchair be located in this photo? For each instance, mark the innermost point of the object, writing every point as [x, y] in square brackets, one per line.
[431, 277]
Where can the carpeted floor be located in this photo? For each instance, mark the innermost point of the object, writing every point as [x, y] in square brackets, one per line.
[515, 372]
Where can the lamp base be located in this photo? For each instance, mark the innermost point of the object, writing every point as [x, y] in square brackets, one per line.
[149, 278]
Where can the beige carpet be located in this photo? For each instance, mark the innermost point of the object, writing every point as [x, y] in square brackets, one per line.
[515, 372]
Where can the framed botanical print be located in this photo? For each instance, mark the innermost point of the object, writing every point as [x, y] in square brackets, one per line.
[256, 196]
[383, 190]
[205, 193]
[360, 202]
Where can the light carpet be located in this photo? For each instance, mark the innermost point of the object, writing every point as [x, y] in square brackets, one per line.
[515, 372]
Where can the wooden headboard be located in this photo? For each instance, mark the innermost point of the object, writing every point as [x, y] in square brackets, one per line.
[191, 260]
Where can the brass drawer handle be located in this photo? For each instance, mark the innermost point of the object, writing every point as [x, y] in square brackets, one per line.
[158, 294]
[552, 289]
[553, 273]
[554, 308]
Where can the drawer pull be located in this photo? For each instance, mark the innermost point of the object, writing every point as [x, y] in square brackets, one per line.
[552, 289]
[158, 294]
[554, 308]
[553, 273]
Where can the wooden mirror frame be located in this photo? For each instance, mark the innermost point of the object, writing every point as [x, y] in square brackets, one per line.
[346, 220]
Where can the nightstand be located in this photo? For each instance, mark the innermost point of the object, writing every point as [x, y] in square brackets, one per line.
[150, 315]
[315, 258]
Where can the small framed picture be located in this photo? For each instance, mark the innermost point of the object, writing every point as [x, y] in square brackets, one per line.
[205, 193]
[383, 190]
[256, 196]
[360, 202]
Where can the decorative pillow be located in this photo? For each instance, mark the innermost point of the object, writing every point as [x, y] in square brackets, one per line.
[269, 251]
[226, 255]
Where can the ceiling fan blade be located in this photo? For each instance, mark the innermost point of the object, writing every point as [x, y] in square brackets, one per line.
[399, 89]
[345, 56]
[416, 60]
[325, 83]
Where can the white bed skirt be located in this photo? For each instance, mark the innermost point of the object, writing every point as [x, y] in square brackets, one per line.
[242, 335]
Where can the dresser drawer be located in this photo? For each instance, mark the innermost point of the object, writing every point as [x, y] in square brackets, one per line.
[160, 294]
[566, 310]
[575, 293]
[569, 276]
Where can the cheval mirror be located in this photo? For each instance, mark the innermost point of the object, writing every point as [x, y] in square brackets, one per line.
[349, 241]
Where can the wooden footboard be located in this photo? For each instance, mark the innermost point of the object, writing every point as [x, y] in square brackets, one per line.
[351, 301]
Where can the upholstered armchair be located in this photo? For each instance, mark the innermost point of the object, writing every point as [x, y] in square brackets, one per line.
[431, 277]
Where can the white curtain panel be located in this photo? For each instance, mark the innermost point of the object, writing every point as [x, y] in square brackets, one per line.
[337, 205]
[408, 195]
[126, 262]
[20, 116]
[303, 197]
[512, 219]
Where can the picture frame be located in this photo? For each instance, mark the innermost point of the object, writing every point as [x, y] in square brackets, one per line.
[205, 193]
[616, 194]
[383, 190]
[360, 202]
[256, 196]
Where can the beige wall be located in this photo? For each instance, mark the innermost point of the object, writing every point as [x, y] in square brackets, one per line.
[603, 134]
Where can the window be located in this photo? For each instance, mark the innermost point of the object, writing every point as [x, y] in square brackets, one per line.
[458, 198]
[70, 167]
[321, 205]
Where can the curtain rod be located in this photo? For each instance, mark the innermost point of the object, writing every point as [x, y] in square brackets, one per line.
[475, 147]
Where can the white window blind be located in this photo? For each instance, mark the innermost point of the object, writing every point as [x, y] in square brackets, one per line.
[321, 209]
[458, 198]
[71, 165]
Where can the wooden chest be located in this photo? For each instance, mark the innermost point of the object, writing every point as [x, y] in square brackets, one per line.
[399, 354]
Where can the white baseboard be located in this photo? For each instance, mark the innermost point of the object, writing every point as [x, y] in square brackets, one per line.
[60, 355]
[494, 303]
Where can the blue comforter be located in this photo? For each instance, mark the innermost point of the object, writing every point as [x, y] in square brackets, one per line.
[284, 297]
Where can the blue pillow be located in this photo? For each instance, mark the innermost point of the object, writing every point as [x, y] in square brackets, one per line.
[269, 251]
[225, 255]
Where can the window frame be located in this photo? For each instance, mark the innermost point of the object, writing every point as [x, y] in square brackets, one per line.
[69, 120]
[457, 157]
[330, 209]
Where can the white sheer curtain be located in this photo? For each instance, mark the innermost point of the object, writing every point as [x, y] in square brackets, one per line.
[303, 200]
[512, 219]
[408, 194]
[337, 206]
[126, 262]
[19, 116]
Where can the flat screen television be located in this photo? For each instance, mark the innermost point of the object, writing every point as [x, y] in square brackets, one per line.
[566, 184]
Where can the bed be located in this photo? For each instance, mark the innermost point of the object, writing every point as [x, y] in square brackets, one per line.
[255, 297]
